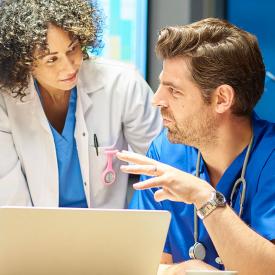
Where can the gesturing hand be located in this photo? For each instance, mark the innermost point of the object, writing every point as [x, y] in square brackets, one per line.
[173, 183]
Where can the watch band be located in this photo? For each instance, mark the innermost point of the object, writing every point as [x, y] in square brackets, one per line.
[217, 200]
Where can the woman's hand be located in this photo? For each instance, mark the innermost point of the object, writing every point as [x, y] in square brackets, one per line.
[173, 183]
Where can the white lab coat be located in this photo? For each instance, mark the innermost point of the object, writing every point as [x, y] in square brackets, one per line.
[113, 102]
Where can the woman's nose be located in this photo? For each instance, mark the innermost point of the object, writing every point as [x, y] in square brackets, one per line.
[68, 64]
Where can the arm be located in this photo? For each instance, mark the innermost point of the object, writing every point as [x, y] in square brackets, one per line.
[13, 186]
[239, 247]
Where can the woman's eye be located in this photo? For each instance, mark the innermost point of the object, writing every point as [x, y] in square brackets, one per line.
[51, 60]
[73, 48]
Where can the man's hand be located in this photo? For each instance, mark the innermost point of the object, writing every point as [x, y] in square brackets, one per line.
[174, 184]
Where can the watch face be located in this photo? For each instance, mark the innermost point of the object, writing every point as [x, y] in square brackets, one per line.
[221, 201]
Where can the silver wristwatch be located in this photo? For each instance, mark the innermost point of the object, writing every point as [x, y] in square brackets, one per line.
[217, 200]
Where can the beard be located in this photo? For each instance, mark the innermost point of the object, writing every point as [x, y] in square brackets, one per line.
[197, 130]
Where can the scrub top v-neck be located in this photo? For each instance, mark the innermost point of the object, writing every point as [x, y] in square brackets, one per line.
[71, 190]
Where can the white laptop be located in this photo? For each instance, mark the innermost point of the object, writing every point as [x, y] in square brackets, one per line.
[50, 241]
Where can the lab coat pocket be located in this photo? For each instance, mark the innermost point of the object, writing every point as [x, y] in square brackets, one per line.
[14, 188]
[102, 194]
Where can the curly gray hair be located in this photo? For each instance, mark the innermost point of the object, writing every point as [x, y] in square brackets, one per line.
[23, 28]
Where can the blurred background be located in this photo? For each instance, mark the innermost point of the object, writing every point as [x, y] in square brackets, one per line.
[132, 27]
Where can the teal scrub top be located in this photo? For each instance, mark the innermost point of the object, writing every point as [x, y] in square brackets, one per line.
[71, 190]
[259, 205]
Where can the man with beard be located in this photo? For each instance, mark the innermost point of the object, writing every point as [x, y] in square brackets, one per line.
[218, 181]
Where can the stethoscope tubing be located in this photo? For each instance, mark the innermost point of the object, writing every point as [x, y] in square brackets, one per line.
[238, 182]
[242, 180]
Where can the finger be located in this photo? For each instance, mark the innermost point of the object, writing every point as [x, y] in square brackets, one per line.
[163, 194]
[148, 170]
[150, 183]
[135, 158]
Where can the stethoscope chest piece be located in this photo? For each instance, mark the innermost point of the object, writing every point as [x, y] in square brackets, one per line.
[218, 260]
[197, 251]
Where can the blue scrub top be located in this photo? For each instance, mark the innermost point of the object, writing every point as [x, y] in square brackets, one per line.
[259, 205]
[71, 190]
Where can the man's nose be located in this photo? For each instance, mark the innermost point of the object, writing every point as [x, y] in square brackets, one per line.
[159, 98]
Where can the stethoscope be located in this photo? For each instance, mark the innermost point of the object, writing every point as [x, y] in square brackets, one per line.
[198, 250]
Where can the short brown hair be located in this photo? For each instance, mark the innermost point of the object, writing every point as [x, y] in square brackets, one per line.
[218, 53]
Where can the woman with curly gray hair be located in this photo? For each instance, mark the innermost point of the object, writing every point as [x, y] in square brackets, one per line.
[63, 114]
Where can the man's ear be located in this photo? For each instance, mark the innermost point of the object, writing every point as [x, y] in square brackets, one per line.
[223, 98]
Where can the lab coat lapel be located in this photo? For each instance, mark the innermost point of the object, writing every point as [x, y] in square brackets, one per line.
[82, 141]
[29, 120]
[88, 83]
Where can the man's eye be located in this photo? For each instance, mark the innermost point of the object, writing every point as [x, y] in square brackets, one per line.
[173, 91]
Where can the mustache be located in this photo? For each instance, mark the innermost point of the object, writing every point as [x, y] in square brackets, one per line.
[166, 114]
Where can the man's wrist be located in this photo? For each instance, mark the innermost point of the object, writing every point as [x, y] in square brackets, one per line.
[217, 200]
[202, 196]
